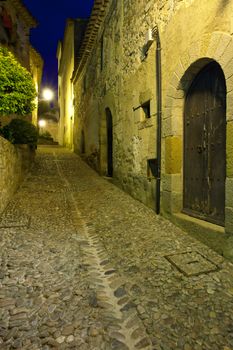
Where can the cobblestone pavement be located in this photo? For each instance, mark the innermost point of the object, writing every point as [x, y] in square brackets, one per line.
[84, 266]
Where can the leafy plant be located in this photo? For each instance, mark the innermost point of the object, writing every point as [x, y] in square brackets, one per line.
[20, 131]
[17, 90]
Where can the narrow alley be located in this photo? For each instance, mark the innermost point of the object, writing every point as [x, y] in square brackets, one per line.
[85, 266]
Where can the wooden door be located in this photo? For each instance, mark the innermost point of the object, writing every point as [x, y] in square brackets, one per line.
[205, 146]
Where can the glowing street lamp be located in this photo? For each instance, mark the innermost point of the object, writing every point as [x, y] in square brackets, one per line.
[47, 94]
[42, 123]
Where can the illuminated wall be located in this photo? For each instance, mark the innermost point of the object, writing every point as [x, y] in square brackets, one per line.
[36, 68]
[117, 72]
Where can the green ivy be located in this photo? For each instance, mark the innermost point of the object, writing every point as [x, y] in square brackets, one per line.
[17, 89]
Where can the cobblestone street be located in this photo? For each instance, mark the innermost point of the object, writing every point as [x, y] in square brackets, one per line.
[84, 266]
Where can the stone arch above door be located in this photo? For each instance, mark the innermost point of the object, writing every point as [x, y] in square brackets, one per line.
[216, 47]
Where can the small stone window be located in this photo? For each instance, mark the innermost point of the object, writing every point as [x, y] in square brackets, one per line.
[146, 109]
[152, 168]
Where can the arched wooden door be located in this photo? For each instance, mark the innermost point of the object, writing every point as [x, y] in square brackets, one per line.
[109, 142]
[205, 146]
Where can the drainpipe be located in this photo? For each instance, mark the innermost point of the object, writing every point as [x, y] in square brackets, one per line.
[159, 114]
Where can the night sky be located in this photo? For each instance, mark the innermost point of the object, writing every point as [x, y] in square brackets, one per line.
[52, 15]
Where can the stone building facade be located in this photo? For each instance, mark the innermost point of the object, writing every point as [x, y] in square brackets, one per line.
[67, 52]
[119, 99]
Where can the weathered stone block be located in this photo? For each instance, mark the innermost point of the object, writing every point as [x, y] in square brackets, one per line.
[229, 220]
[145, 96]
[166, 201]
[228, 247]
[167, 127]
[229, 84]
[204, 44]
[185, 60]
[214, 42]
[171, 202]
[194, 51]
[172, 182]
[229, 192]
[153, 108]
[175, 93]
[230, 106]
[167, 112]
[137, 115]
[172, 126]
[227, 55]
[225, 40]
[175, 80]
[173, 154]
[177, 202]
[179, 70]
[228, 70]
[229, 149]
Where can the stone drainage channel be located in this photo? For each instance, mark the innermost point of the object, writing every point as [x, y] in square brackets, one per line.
[109, 295]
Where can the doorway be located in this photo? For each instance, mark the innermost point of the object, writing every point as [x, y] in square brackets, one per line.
[205, 146]
[109, 142]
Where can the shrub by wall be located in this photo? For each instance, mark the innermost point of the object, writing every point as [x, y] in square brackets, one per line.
[17, 89]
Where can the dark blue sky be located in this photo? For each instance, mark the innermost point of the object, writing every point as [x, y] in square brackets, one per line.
[52, 15]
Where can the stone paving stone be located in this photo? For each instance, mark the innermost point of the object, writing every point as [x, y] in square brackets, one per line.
[96, 269]
[192, 263]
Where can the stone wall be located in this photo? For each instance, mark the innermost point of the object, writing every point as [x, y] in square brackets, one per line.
[65, 94]
[15, 161]
[112, 83]
[123, 79]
